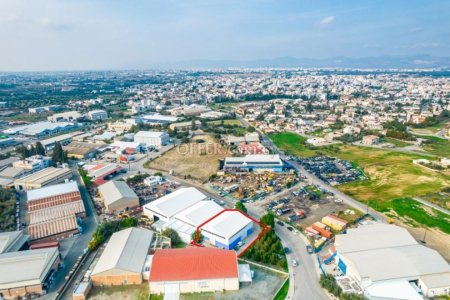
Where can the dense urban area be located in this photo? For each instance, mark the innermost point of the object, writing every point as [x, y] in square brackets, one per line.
[226, 184]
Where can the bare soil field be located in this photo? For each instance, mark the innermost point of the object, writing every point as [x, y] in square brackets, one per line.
[198, 159]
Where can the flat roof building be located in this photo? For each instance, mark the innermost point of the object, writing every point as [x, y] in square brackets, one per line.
[45, 177]
[28, 272]
[254, 163]
[152, 138]
[118, 196]
[227, 229]
[193, 270]
[123, 260]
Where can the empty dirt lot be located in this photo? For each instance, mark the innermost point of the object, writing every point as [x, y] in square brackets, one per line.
[198, 159]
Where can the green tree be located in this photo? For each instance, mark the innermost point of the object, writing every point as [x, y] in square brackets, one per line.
[40, 149]
[58, 155]
[268, 219]
[241, 207]
[172, 235]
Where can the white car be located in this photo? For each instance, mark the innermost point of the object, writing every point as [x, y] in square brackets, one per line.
[294, 263]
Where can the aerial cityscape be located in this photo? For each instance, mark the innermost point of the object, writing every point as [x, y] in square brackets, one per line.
[285, 150]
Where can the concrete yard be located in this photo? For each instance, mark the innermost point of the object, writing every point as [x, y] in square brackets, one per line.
[265, 286]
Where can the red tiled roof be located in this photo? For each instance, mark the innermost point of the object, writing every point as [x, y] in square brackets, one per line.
[192, 264]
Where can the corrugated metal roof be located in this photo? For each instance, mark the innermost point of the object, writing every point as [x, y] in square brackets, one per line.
[12, 240]
[53, 190]
[114, 191]
[56, 212]
[126, 250]
[43, 176]
[26, 268]
[173, 203]
[52, 227]
[194, 263]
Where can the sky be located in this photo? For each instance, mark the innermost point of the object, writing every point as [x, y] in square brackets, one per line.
[39, 35]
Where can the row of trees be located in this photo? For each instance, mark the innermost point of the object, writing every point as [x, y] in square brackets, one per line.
[106, 229]
[268, 249]
[36, 149]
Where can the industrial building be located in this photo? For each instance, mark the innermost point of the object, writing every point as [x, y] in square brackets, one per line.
[187, 208]
[81, 150]
[28, 272]
[152, 138]
[227, 229]
[63, 139]
[253, 163]
[386, 262]
[166, 207]
[118, 196]
[193, 270]
[102, 170]
[55, 211]
[186, 222]
[123, 260]
[121, 147]
[41, 129]
[12, 241]
[45, 177]
[158, 119]
[68, 116]
[97, 115]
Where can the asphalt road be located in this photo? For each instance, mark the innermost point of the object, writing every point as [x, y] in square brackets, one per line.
[73, 247]
[304, 279]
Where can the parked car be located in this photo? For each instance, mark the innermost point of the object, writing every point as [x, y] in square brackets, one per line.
[280, 223]
[287, 250]
[310, 249]
[294, 263]
[290, 228]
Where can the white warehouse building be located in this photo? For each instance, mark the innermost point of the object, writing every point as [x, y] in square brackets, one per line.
[386, 262]
[152, 138]
[187, 208]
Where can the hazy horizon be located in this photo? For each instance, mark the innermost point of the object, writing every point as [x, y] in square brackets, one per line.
[52, 35]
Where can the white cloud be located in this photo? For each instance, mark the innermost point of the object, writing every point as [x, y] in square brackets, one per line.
[327, 21]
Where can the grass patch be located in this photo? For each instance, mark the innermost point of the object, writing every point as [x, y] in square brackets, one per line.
[391, 175]
[282, 293]
[436, 146]
[396, 142]
[412, 210]
[295, 144]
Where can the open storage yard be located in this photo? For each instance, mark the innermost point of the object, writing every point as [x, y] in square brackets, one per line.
[198, 160]
[253, 186]
[309, 204]
[332, 170]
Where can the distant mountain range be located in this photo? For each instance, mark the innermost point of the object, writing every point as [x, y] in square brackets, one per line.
[375, 62]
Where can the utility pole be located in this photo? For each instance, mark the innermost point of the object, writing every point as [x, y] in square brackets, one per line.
[424, 236]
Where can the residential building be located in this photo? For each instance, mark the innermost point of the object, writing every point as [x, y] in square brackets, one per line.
[34, 163]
